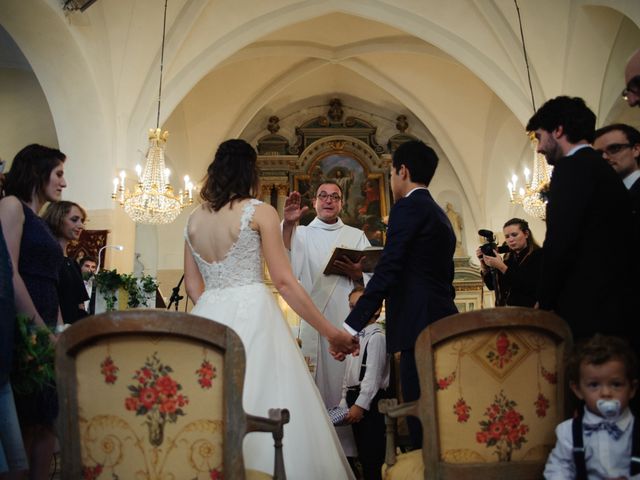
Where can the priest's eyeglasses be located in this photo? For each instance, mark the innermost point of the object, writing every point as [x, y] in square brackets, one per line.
[324, 196]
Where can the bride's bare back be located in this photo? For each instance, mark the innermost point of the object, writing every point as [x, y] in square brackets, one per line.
[213, 234]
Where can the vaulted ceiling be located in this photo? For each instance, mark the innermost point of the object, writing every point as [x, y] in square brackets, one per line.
[455, 68]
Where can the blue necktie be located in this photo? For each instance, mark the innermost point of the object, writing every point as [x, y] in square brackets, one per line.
[611, 428]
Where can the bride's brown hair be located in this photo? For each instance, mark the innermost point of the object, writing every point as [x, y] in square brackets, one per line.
[233, 174]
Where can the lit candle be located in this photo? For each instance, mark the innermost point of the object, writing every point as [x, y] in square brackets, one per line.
[190, 190]
[521, 192]
[123, 175]
[115, 185]
[514, 179]
[167, 173]
[139, 172]
[510, 188]
[526, 174]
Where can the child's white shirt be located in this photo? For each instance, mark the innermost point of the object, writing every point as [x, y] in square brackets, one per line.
[605, 457]
[376, 375]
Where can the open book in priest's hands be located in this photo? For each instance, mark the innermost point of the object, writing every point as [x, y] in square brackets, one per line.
[371, 256]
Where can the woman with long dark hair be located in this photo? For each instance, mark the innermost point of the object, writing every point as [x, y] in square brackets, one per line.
[226, 238]
[518, 272]
[36, 177]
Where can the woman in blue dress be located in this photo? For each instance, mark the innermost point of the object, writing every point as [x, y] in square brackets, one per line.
[36, 177]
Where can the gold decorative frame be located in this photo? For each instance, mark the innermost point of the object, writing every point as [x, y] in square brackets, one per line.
[358, 170]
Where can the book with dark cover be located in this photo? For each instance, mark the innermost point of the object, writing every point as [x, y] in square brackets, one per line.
[371, 254]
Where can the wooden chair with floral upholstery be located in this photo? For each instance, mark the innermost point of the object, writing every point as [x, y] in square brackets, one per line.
[151, 394]
[492, 392]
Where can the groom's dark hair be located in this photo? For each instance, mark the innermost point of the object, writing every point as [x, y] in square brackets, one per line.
[419, 158]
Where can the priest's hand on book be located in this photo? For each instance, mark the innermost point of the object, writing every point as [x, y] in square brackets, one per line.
[353, 270]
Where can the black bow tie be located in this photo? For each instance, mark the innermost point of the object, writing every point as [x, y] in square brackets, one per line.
[611, 428]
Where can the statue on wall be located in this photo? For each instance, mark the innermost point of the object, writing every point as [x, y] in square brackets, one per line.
[274, 124]
[456, 224]
[335, 110]
[401, 123]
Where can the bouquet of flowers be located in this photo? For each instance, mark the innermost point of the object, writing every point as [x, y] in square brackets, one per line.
[33, 367]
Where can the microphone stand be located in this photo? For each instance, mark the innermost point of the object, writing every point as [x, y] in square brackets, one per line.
[175, 295]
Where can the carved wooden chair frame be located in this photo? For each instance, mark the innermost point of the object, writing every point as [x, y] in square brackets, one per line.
[156, 323]
[425, 408]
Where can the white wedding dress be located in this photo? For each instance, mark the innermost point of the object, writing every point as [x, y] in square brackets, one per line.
[276, 373]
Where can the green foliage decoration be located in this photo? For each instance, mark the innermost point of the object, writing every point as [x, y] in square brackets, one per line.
[34, 354]
[109, 281]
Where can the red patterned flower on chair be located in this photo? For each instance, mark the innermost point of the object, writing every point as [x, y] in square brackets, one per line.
[206, 373]
[156, 395]
[216, 474]
[109, 370]
[503, 427]
[444, 383]
[504, 351]
[542, 405]
[91, 473]
[462, 410]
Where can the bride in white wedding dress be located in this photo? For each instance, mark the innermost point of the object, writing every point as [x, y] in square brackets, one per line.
[225, 240]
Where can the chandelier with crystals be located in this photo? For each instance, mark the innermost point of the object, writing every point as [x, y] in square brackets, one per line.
[532, 196]
[153, 200]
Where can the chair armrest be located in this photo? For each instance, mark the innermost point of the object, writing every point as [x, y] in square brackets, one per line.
[274, 424]
[391, 410]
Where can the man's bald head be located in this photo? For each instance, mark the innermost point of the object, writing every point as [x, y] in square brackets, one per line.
[632, 80]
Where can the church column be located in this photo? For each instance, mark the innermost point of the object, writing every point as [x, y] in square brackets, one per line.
[266, 193]
[283, 189]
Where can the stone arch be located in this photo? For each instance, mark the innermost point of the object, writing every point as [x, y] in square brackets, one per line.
[71, 92]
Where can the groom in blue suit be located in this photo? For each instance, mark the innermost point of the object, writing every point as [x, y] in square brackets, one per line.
[415, 273]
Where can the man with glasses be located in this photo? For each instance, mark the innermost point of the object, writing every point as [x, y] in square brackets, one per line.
[310, 248]
[619, 144]
[631, 93]
[584, 280]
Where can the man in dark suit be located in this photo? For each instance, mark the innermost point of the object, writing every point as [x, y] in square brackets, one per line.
[619, 144]
[415, 273]
[586, 277]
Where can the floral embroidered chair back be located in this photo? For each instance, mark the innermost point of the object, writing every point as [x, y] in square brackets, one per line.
[152, 395]
[493, 381]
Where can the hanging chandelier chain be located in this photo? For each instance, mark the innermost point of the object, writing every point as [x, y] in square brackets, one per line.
[526, 58]
[164, 29]
[532, 196]
[153, 201]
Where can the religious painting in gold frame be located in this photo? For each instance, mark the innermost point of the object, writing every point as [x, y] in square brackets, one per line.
[365, 200]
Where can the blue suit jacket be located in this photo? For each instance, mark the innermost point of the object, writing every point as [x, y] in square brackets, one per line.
[414, 274]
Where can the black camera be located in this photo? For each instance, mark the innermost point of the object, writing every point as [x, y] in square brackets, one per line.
[490, 245]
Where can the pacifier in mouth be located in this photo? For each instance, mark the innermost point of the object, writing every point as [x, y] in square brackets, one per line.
[608, 408]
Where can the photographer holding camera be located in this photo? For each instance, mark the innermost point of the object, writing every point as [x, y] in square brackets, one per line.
[518, 273]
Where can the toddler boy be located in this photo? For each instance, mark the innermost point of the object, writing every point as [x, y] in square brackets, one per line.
[602, 442]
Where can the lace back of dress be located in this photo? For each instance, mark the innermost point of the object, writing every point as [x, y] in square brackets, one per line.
[243, 263]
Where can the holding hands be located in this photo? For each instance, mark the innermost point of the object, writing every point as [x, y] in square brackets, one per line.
[342, 343]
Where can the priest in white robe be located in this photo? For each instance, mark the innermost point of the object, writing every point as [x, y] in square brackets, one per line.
[310, 248]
